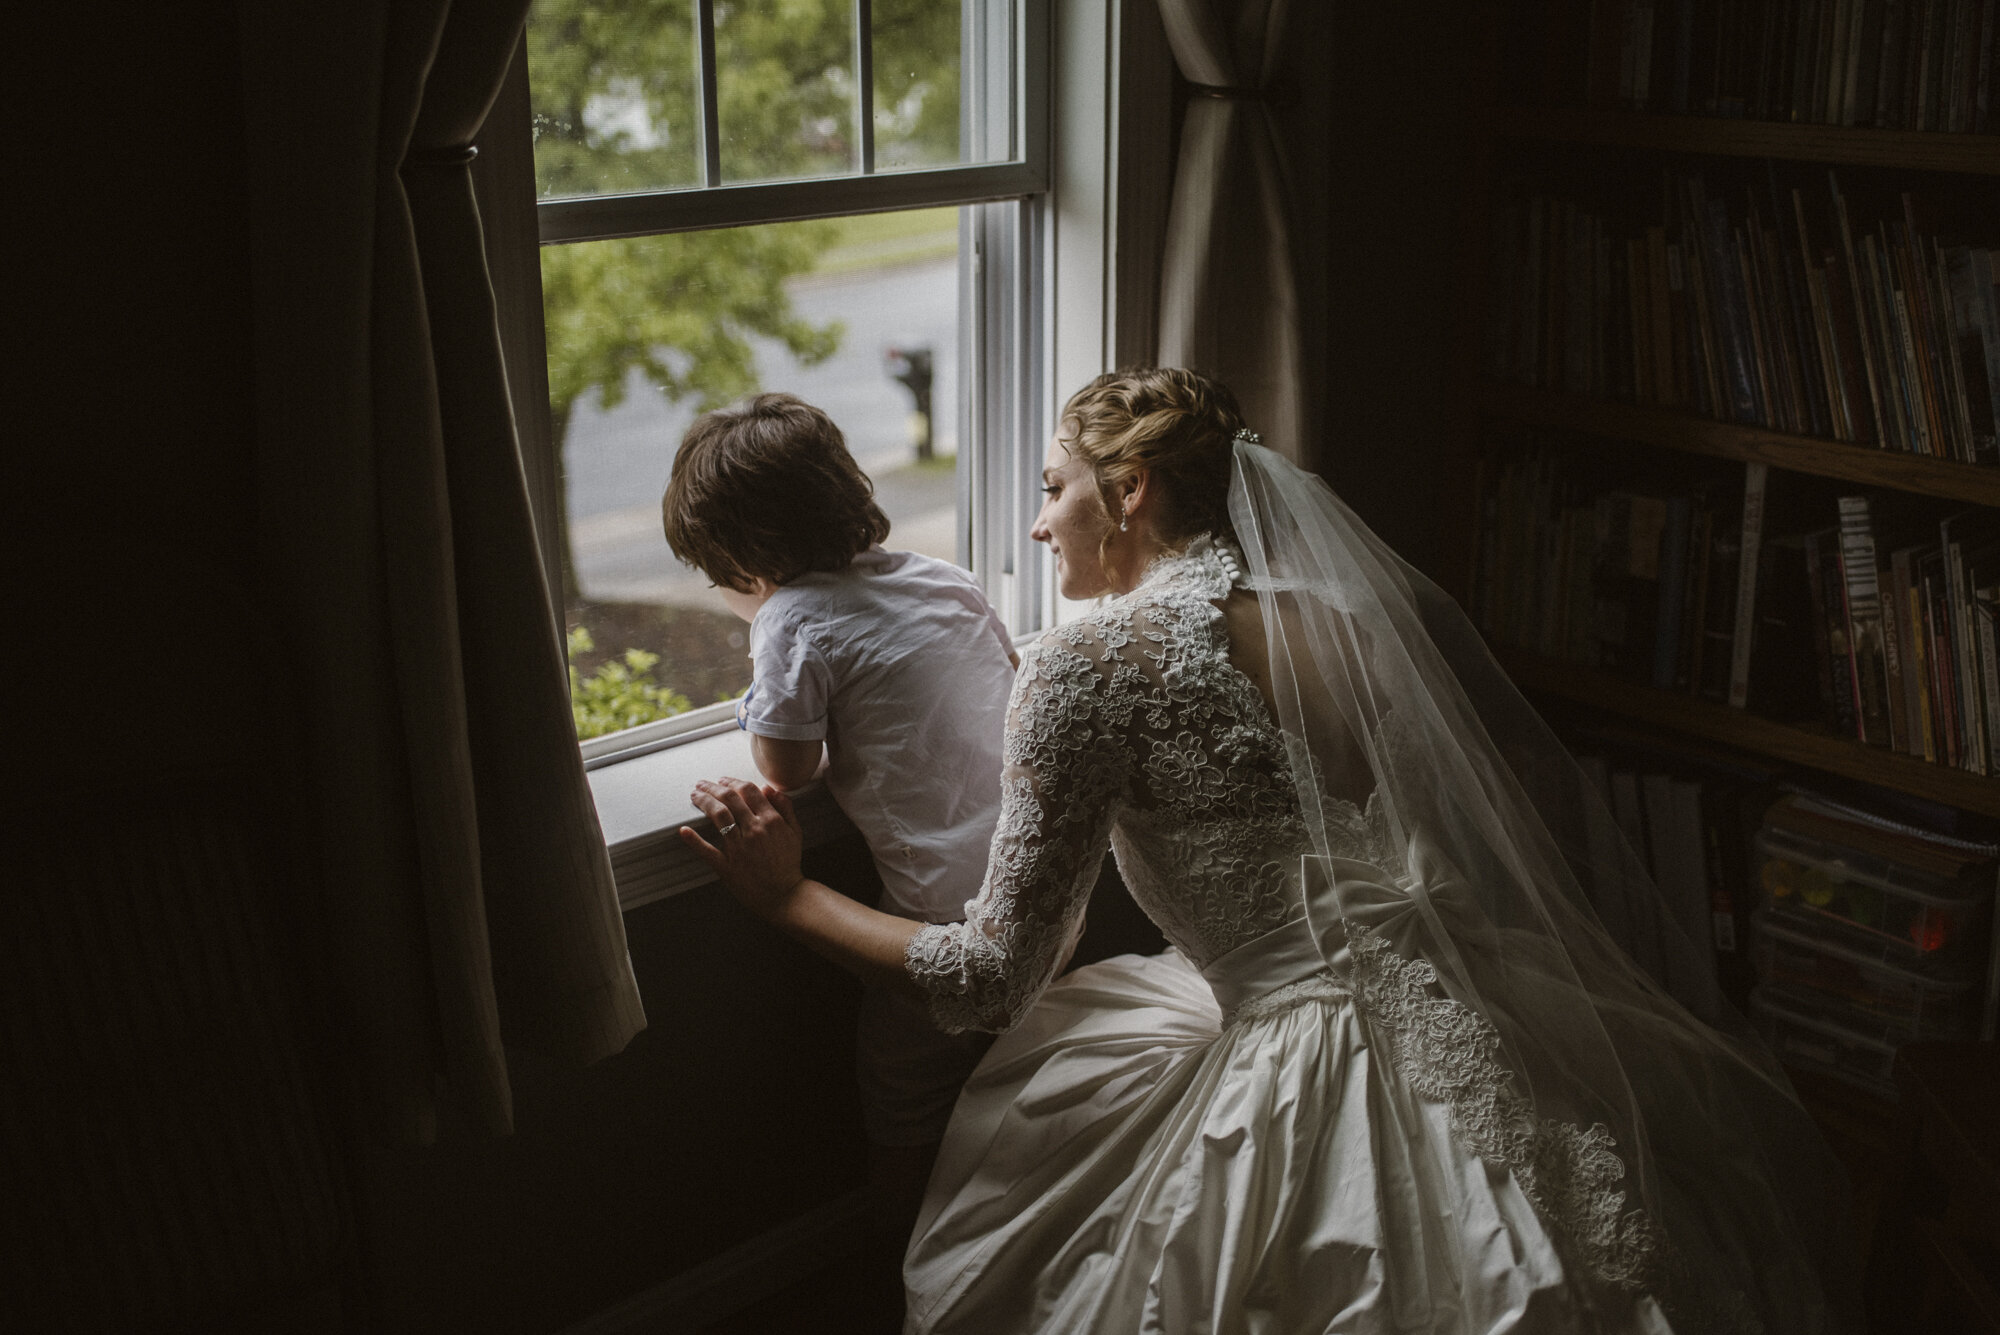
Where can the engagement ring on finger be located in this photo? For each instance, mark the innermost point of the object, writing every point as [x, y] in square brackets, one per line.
[726, 830]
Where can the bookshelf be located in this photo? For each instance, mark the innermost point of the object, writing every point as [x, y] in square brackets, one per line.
[1556, 451]
[1663, 429]
[1617, 426]
[1706, 136]
[1675, 713]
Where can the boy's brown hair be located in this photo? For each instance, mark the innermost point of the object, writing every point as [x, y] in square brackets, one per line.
[766, 488]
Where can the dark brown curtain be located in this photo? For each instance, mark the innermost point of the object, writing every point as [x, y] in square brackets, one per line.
[1230, 299]
[467, 901]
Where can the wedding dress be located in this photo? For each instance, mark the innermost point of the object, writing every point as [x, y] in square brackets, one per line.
[1390, 1076]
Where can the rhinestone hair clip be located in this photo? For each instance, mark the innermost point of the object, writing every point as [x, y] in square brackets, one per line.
[1248, 437]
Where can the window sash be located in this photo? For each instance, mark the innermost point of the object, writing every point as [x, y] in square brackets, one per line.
[1004, 101]
[1003, 304]
[607, 217]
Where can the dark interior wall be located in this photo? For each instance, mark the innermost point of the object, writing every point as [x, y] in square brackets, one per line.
[1397, 79]
[733, 1111]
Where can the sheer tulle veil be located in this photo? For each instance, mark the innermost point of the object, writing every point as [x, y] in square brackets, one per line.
[1645, 1121]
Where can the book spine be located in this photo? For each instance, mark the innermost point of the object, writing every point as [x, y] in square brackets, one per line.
[1961, 265]
[1926, 667]
[1892, 655]
[1755, 479]
[1835, 63]
[1730, 313]
[1694, 607]
[1864, 621]
[1833, 670]
[1985, 604]
[1965, 657]
[1847, 298]
[1889, 69]
[1949, 344]
[1944, 691]
[1868, 57]
[1909, 660]
[1673, 591]
[1985, 66]
[1986, 312]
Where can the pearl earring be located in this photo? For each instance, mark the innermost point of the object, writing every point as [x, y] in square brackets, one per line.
[1124, 522]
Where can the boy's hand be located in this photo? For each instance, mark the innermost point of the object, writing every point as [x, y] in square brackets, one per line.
[758, 843]
[743, 706]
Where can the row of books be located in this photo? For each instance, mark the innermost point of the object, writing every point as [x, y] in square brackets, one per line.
[1903, 632]
[1778, 313]
[1681, 589]
[1636, 581]
[1688, 831]
[1889, 64]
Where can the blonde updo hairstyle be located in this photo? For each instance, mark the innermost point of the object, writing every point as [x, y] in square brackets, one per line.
[1179, 424]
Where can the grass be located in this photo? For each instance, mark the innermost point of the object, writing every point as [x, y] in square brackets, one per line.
[878, 240]
[941, 463]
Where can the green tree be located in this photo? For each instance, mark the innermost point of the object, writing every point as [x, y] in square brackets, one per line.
[616, 109]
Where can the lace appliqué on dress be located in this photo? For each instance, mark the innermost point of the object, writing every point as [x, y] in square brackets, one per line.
[1445, 1052]
[1318, 987]
[1129, 727]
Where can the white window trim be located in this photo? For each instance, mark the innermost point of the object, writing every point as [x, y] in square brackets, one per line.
[1086, 307]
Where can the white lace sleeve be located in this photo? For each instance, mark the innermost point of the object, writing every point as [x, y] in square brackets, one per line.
[1067, 765]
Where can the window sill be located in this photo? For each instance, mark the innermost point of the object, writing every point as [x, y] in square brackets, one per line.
[642, 801]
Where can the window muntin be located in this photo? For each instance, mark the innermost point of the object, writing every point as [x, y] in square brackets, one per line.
[629, 156]
[855, 290]
[642, 96]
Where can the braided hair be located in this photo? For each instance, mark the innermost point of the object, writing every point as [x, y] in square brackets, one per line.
[1179, 424]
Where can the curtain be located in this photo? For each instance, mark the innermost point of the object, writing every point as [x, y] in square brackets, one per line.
[465, 897]
[1229, 291]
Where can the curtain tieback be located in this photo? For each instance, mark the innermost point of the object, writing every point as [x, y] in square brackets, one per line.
[449, 155]
[1229, 92]
[1279, 95]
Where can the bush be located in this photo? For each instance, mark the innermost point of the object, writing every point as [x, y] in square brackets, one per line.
[620, 694]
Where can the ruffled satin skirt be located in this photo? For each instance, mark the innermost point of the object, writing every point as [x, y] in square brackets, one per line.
[1126, 1161]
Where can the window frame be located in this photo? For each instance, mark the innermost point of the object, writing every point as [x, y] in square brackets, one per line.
[1092, 233]
[1001, 304]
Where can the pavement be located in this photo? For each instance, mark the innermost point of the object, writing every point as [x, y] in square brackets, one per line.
[617, 461]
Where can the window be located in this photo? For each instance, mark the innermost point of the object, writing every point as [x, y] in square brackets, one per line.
[841, 198]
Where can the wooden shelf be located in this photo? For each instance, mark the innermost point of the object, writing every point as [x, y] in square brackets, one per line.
[1907, 150]
[1758, 736]
[1670, 430]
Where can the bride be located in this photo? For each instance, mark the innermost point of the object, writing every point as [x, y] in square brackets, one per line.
[1393, 1075]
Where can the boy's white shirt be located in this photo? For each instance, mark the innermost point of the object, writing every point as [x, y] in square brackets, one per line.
[901, 665]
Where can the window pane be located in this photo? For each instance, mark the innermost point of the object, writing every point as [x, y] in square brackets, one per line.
[642, 334]
[917, 111]
[616, 98]
[784, 70]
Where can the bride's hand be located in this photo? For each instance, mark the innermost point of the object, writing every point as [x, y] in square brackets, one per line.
[758, 842]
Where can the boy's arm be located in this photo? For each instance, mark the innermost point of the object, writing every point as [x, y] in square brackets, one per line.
[788, 764]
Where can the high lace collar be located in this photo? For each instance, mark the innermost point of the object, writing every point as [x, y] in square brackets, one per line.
[1212, 564]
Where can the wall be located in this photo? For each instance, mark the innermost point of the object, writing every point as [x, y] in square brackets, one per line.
[734, 1111]
[1397, 79]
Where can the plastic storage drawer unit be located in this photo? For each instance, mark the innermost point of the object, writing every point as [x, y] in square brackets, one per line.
[1855, 985]
[1816, 1042]
[1933, 924]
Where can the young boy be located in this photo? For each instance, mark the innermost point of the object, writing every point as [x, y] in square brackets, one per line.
[894, 664]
